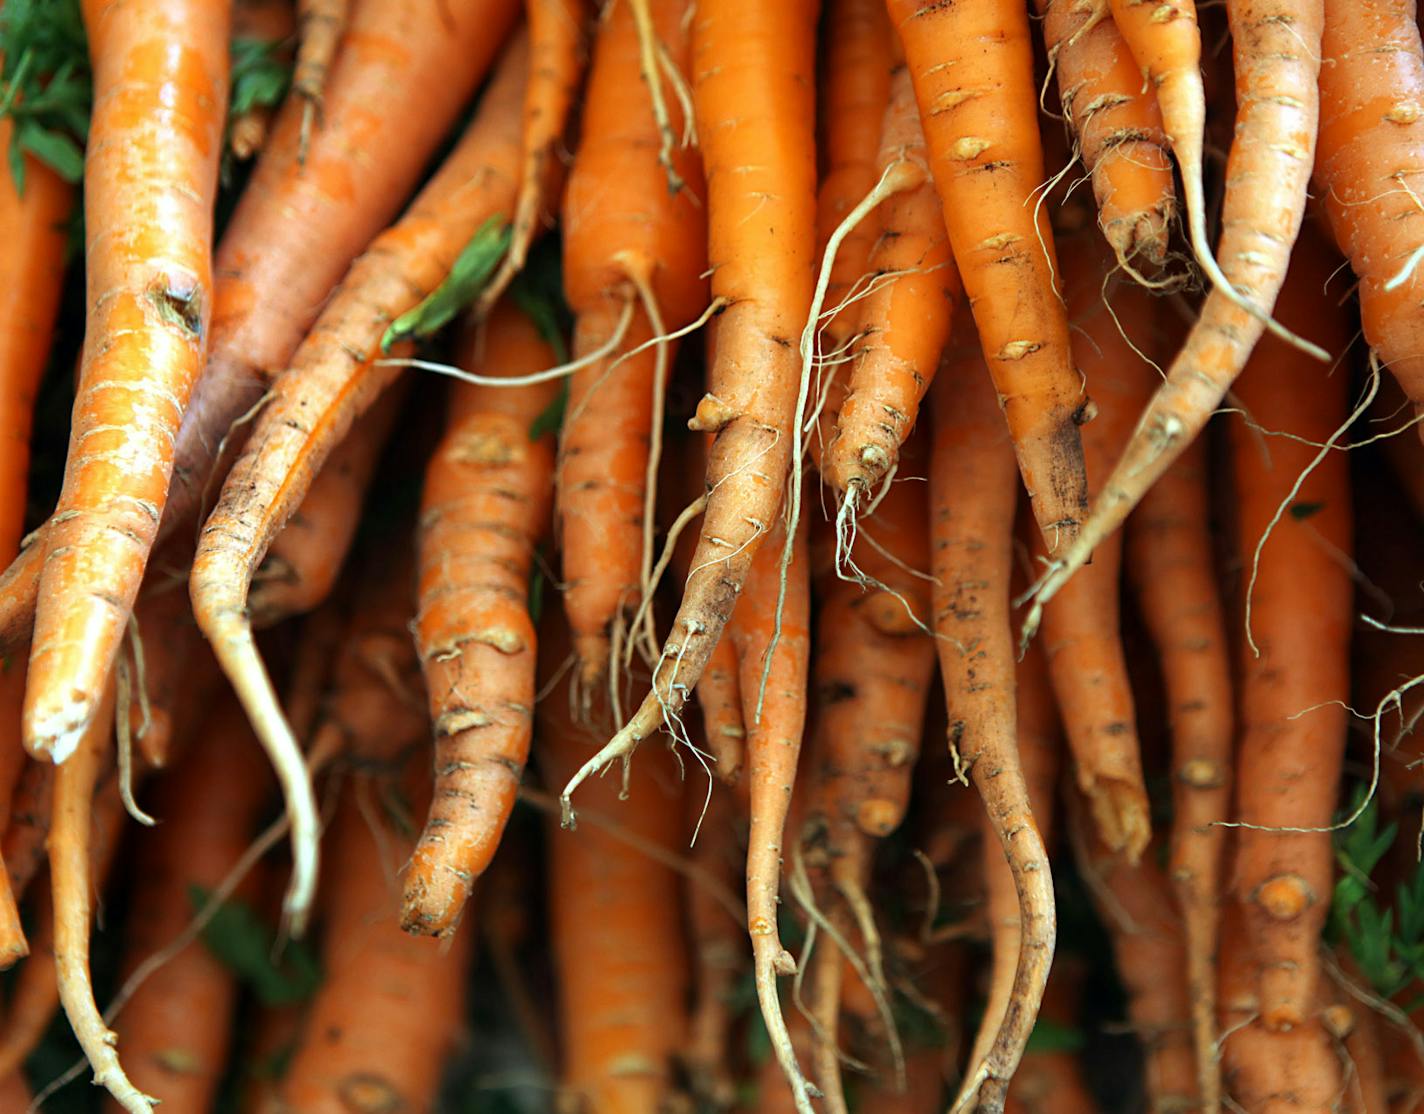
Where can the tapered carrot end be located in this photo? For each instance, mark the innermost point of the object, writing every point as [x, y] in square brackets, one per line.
[1121, 816]
[592, 651]
[435, 895]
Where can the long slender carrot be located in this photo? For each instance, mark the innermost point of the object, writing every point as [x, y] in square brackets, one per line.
[486, 506]
[149, 185]
[905, 321]
[1117, 125]
[1276, 45]
[634, 259]
[972, 66]
[1371, 156]
[175, 1030]
[328, 388]
[270, 23]
[1295, 675]
[972, 545]
[320, 24]
[755, 119]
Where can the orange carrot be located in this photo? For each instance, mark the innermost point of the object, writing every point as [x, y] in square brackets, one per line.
[486, 506]
[330, 387]
[175, 1030]
[972, 544]
[28, 826]
[1117, 125]
[157, 120]
[321, 24]
[634, 258]
[1295, 673]
[34, 997]
[270, 23]
[972, 67]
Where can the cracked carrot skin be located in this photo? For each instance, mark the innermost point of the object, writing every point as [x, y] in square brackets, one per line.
[486, 506]
[1293, 695]
[639, 232]
[155, 141]
[972, 67]
[1370, 170]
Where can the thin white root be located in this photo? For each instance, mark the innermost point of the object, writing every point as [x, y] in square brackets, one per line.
[648, 65]
[646, 629]
[123, 712]
[683, 520]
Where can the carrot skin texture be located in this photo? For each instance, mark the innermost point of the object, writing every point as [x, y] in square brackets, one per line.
[981, 128]
[157, 121]
[321, 24]
[485, 507]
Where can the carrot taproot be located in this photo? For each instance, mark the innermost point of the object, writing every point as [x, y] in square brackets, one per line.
[634, 259]
[973, 499]
[301, 567]
[1170, 562]
[1117, 126]
[320, 26]
[904, 321]
[1367, 170]
[390, 1003]
[615, 925]
[1295, 672]
[334, 378]
[157, 121]
[485, 507]
[175, 1030]
[1276, 48]
[755, 119]
[558, 55]
[972, 68]
[1052, 1082]
[269, 23]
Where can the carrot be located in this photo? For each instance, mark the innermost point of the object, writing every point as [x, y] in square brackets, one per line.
[1295, 675]
[1171, 564]
[321, 24]
[301, 568]
[1052, 1082]
[1371, 152]
[12, 762]
[157, 120]
[634, 259]
[390, 1003]
[972, 544]
[972, 67]
[176, 1029]
[34, 996]
[755, 124]
[1276, 46]
[28, 826]
[1117, 127]
[558, 53]
[615, 926]
[904, 322]
[330, 388]
[486, 506]
[268, 23]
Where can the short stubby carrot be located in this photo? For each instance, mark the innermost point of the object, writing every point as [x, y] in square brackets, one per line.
[334, 378]
[1117, 125]
[1277, 53]
[485, 508]
[1370, 171]
[634, 257]
[904, 321]
[149, 186]
[972, 67]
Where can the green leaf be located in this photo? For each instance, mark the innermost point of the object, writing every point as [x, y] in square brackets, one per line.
[1301, 511]
[260, 76]
[1050, 1036]
[45, 84]
[54, 148]
[467, 278]
[551, 418]
[245, 944]
[541, 307]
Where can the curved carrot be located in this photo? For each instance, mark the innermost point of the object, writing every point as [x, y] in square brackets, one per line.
[637, 249]
[270, 23]
[905, 321]
[1117, 124]
[149, 185]
[329, 388]
[485, 508]
[1277, 53]
[972, 66]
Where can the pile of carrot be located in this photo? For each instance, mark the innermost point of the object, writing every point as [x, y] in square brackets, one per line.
[630, 556]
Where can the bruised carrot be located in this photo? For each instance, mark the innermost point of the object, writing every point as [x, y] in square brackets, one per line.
[175, 1031]
[905, 321]
[486, 506]
[1276, 45]
[1295, 672]
[972, 544]
[634, 258]
[972, 67]
[1117, 125]
[306, 557]
[149, 186]
[330, 387]
[269, 23]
